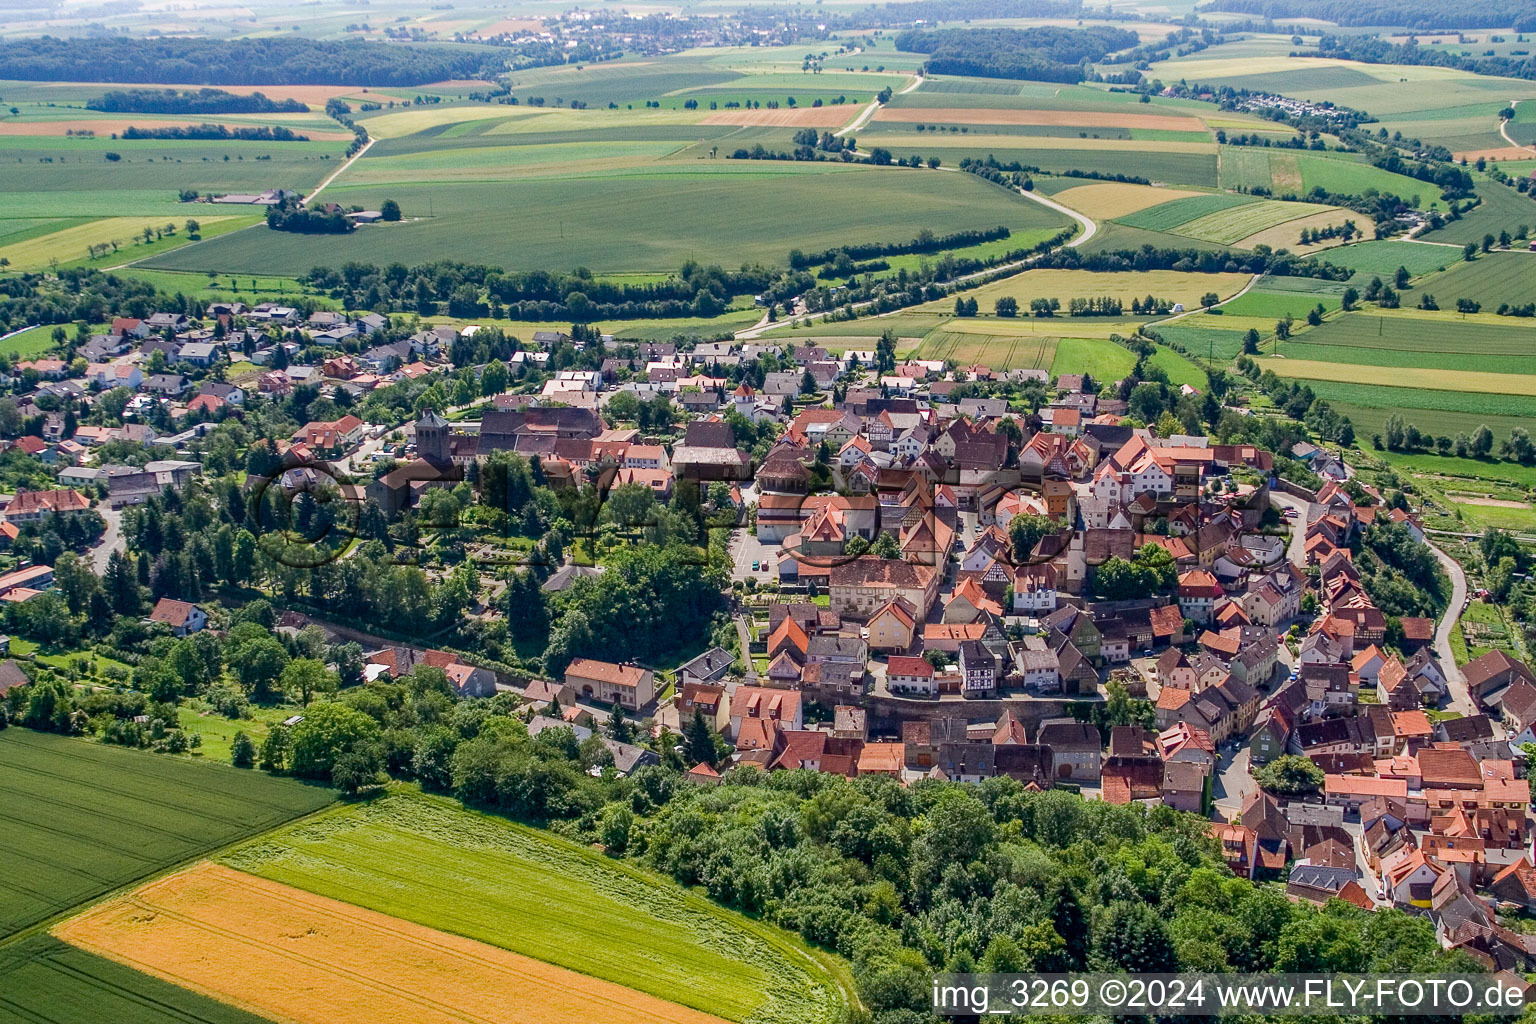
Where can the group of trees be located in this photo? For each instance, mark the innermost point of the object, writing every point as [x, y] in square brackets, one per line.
[1150, 571]
[291, 215]
[1045, 53]
[266, 60]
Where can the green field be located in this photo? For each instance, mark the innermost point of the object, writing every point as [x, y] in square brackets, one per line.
[1202, 340]
[1103, 360]
[45, 981]
[83, 818]
[731, 212]
[1177, 168]
[1277, 304]
[427, 860]
[1291, 171]
[1168, 216]
[1501, 209]
[1491, 279]
[1384, 257]
[1437, 412]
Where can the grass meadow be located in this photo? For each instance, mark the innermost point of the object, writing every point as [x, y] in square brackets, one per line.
[83, 818]
[428, 861]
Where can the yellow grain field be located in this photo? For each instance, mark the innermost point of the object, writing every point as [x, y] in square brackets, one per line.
[1480, 381]
[291, 956]
[1109, 200]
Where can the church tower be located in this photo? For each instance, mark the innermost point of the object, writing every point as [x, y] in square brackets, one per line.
[432, 437]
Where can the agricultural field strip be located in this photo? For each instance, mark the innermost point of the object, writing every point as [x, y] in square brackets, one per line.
[224, 933]
[1489, 384]
[1170, 215]
[46, 857]
[1228, 226]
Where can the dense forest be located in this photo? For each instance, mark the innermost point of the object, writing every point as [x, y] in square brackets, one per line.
[1415, 14]
[1044, 53]
[278, 60]
[187, 101]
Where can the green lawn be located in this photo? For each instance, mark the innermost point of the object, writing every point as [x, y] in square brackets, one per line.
[29, 344]
[427, 860]
[83, 818]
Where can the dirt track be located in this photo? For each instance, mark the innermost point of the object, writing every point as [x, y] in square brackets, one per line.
[292, 956]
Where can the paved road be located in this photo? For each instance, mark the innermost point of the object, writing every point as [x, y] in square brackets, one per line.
[1460, 697]
[111, 540]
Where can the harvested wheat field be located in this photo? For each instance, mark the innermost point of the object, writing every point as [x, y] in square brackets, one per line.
[1113, 199]
[291, 956]
[1066, 118]
[1502, 153]
[785, 117]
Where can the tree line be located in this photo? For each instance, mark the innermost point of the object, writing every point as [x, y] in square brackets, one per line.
[254, 133]
[1413, 14]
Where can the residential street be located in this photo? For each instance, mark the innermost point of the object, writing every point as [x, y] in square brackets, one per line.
[1460, 696]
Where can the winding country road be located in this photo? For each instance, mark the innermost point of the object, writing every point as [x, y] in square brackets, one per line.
[1504, 131]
